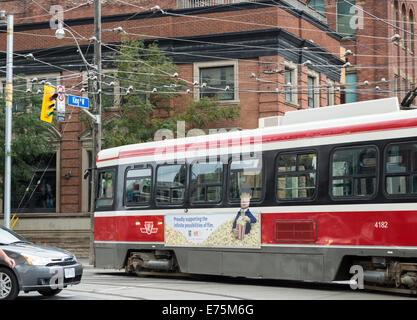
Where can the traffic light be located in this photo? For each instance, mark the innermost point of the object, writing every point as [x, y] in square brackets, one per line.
[48, 103]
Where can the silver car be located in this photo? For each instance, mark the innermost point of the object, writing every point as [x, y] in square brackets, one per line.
[38, 268]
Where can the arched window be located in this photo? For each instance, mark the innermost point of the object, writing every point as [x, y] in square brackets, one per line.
[404, 25]
[345, 14]
[317, 5]
[411, 30]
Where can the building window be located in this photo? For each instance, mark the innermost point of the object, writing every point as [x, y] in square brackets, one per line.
[351, 92]
[110, 90]
[345, 13]
[38, 192]
[288, 85]
[311, 103]
[396, 78]
[296, 176]
[42, 187]
[313, 93]
[217, 80]
[353, 172]
[330, 93]
[401, 169]
[318, 5]
[396, 16]
[20, 102]
[411, 31]
[290, 78]
[403, 25]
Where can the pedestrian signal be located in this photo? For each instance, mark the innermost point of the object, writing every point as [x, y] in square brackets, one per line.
[48, 103]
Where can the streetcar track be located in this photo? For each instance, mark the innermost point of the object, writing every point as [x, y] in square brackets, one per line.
[166, 289]
[105, 294]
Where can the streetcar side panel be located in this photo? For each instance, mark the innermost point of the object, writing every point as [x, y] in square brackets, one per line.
[338, 229]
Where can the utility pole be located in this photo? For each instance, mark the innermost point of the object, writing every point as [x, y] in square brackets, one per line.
[96, 136]
[8, 124]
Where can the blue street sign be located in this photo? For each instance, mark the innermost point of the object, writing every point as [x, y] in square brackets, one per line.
[78, 101]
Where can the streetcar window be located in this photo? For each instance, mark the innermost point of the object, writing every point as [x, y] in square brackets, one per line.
[354, 172]
[401, 169]
[105, 189]
[206, 182]
[296, 176]
[138, 186]
[245, 172]
[170, 184]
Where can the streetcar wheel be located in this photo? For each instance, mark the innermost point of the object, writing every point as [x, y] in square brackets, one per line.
[9, 287]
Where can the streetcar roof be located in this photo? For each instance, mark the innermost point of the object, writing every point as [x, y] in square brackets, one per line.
[383, 114]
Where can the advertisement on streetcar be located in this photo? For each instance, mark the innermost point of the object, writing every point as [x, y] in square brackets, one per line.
[214, 230]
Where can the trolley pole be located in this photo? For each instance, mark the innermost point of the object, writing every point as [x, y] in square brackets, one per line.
[8, 124]
[96, 136]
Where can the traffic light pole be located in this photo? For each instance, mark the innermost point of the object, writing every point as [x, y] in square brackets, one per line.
[8, 124]
[96, 136]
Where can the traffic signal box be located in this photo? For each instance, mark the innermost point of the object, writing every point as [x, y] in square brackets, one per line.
[48, 103]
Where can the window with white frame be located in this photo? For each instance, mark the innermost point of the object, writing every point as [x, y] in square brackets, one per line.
[345, 13]
[396, 78]
[312, 89]
[217, 80]
[351, 87]
[290, 86]
[330, 93]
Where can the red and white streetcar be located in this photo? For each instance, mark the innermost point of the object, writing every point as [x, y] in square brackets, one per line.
[325, 190]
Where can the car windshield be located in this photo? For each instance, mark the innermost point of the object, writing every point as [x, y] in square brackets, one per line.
[7, 236]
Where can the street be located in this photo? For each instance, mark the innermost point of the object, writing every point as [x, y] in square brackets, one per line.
[107, 284]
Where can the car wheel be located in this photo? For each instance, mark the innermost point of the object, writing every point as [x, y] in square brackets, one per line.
[9, 287]
[49, 292]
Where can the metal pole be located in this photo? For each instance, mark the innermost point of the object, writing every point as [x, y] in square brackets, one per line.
[97, 62]
[8, 119]
[96, 136]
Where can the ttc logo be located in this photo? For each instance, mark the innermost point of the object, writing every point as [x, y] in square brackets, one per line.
[149, 229]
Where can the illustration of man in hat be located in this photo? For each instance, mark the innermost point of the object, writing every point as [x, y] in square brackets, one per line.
[244, 218]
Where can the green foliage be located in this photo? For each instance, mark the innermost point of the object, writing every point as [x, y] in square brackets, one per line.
[31, 140]
[144, 110]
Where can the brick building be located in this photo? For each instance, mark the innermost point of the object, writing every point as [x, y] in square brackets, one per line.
[275, 56]
[382, 64]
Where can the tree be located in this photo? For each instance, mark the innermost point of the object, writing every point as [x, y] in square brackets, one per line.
[151, 99]
[31, 145]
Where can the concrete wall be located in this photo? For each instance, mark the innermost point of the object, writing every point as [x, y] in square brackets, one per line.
[66, 231]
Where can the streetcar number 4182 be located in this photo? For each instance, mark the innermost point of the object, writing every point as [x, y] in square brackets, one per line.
[381, 224]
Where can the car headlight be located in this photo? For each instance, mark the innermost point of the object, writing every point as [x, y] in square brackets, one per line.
[36, 260]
